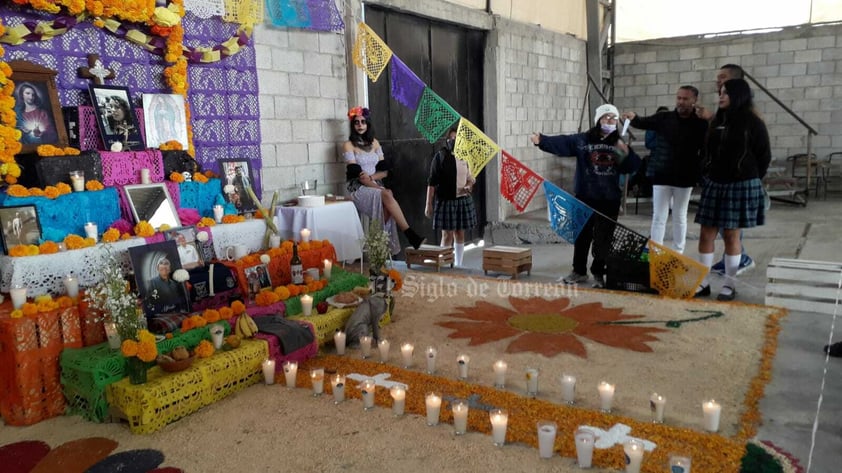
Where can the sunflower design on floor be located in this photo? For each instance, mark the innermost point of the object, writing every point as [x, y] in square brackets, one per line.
[549, 327]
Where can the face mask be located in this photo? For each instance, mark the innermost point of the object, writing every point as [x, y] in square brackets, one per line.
[608, 128]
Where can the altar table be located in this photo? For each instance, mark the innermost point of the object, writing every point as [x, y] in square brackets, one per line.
[337, 221]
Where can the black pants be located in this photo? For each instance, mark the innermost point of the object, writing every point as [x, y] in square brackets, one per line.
[598, 230]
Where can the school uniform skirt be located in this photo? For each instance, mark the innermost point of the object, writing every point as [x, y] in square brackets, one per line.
[732, 205]
[456, 214]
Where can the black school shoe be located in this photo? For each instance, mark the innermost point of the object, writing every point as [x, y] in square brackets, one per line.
[702, 291]
[834, 350]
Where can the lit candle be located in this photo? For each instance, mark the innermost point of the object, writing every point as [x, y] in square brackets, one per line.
[606, 396]
[328, 268]
[337, 383]
[306, 304]
[305, 235]
[406, 354]
[218, 213]
[499, 420]
[462, 363]
[433, 402]
[144, 176]
[290, 373]
[431, 359]
[217, 333]
[532, 382]
[657, 402]
[71, 286]
[339, 341]
[679, 464]
[584, 447]
[398, 392]
[275, 241]
[91, 230]
[500, 368]
[546, 438]
[18, 294]
[77, 179]
[460, 416]
[268, 371]
[712, 410]
[568, 388]
[383, 347]
[368, 387]
[634, 455]
[317, 377]
[365, 345]
[113, 336]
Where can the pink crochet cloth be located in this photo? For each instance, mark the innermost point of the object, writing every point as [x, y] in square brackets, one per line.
[124, 167]
[275, 353]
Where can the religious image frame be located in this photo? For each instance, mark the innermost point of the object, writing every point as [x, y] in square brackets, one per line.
[106, 100]
[165, 119]
[25, 75]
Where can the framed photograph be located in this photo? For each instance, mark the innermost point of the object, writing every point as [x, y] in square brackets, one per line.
[37, 108]
[154, 265]
[20, 226]
[152, 202]
[164, 119]
[189, 251]
[257, 278]
[115, 116]
[238, 174]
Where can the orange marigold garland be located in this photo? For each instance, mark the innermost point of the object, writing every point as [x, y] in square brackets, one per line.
[204, 349]
[111, 235]
[144, 229]
[94, 185]
[9, 134]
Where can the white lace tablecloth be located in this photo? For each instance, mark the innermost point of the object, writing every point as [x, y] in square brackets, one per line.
[337, 222]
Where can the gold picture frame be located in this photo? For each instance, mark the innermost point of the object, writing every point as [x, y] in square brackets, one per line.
[37, 106]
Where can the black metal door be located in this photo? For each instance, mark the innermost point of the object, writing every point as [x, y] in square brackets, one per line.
[449, 59]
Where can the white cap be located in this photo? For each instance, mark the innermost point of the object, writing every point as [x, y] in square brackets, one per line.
[604, 110]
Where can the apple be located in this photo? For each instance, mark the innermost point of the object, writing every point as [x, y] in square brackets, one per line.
[321, 307]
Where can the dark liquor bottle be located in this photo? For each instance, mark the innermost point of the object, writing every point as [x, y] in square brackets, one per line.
[296, 269]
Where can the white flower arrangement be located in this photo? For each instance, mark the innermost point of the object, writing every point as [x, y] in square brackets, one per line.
[202, 236]
[265, 259]
[376, 243]
[111, 296]
[180, 275]
[228, 189]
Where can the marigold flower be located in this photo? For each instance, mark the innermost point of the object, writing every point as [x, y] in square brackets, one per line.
[238, 307]
[129, 347]
[200, 178]
[48, 247]
[144, 229]
[176, 177]
[211, 315]
[63, 188]
[204, 349]
[111, 235]
[51, 192]
[17, 190]
[94, 185]
[226, 313]
[206, 222]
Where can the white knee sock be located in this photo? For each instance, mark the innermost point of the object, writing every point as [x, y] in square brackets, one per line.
[458, 251]
[707, 261]
[732, 263]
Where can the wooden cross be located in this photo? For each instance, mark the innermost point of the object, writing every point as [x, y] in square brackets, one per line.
[96, 70]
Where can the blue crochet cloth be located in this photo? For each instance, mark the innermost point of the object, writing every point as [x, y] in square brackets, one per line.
[68, 213]
[201, 197]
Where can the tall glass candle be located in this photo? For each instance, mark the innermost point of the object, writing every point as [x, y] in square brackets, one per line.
[634, 455]
[657, 403]
[77, 179]
[367, 388]
[546, 438]
[306, 304]
[113, 336]
[584, 447]
[383, 347]
[365, 346]
[268, 371]
[431, 354]
[606, 396]
[18, 294]
[275, 241]
[568, 388]
[290, 373]
[406, 354]
[532, 382]
[462, 364]
[460, 416]
[339, 340]
[144, 176]
[499, 421]
[71, 286]
[711, 410]
[317, 377]
[337, 384]
[218, 213]
[433, 402]
[398, 393]
[328, 268]
[679, 464]
[305, 235]
[500, 368]
[91, 231]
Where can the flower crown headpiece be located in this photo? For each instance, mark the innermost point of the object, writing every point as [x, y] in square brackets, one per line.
[358, 112]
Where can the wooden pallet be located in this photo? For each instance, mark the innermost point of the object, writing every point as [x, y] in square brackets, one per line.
[507, 259]
[429, 255]
[805, 286]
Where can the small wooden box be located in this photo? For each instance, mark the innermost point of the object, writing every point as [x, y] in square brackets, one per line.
[429, 255]
[507, 259]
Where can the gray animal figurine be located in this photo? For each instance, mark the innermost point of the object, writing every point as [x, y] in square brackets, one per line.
[366, 320]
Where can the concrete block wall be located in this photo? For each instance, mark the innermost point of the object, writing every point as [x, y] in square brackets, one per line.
[303, 105]
[801, 66]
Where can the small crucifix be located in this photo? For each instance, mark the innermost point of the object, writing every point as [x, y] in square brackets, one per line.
[96, 70]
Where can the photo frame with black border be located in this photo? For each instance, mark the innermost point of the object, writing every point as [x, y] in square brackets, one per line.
[153, 203]
[238, 174]
[190, 251]
[37, 107]
[20, 226]
[154, 265]
[257, 279]
[116, 117]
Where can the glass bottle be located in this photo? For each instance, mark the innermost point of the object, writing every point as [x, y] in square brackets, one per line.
[296, 268]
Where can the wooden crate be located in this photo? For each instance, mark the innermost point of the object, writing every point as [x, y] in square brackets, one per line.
[507, 259]
[806, 286]
[429, 255]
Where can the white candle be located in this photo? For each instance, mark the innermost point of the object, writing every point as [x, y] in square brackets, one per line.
[532, 382]
[337, 383]
[77, 179]
[305, 235]
[568, 388]
[460, 416]
[500, 368]
[290, 373]
[339, 341]
[71, 286]
[431, 354]
[328, 268]
[406, 354]
[679, 464]
[584, 447]
[18, 294]
[268, 371]
[275, 241]
[317, 377]
[546, 438]
[433, 402]
[144, 176]
[499, 420]
[606, 396]
[462, 363]
[306, 304]
[368, 387]
[365, 345]
[217, 335]
[383, 347]
[113, 336]
[398, 393]
[218, 213]
[91, 230]
[657, 402]
[634, 455]
[712, 410]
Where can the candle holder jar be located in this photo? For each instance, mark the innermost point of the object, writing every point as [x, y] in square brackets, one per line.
[584, 447]
[308, 187]
[367, 389]
[679, 463]
[317, 377]
[337, 384]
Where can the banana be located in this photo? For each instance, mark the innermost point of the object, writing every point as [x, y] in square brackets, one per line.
[246, 327]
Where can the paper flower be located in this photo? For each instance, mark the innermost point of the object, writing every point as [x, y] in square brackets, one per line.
[202, 236]
[180, 275]
[265, 259]
[228, 189]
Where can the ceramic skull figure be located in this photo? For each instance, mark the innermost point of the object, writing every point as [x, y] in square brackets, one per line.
[188, 176]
